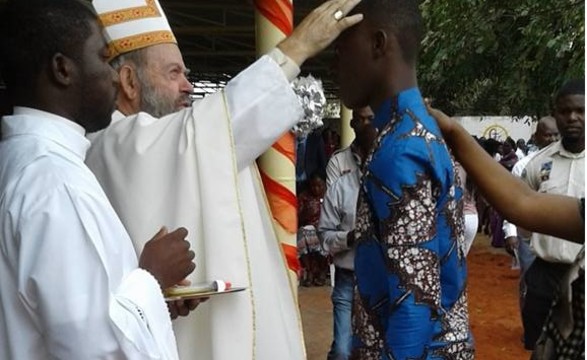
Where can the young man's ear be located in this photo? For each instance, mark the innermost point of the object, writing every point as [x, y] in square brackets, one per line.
[380, 43]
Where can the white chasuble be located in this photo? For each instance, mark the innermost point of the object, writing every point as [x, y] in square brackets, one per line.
[185, 170]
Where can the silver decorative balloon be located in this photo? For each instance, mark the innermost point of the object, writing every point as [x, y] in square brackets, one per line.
[311, 96]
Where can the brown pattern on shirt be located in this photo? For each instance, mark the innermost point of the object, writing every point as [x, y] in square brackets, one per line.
[455, 323]
[364, 325]
[419, 272]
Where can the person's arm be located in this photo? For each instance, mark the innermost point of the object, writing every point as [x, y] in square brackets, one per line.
[81, 282]
[332, 170]
[555, 215]
[334, 240]
[510, 232]
[261, 102]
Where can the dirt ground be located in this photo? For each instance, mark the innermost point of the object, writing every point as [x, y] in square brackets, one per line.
[493, 307]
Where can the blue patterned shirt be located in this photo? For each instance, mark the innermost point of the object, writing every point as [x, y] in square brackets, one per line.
[410, 264]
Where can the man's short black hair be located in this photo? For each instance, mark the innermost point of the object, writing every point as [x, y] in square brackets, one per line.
[33, 31]
[402, 17]
[571, 87]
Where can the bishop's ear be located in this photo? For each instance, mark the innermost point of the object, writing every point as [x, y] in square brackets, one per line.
[129, 82]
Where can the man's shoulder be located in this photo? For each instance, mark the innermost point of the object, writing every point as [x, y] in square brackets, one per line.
[39, 177]
[344, 184]
[138, 129]
[348, 178]
[341, 152]
[542, 156]
[521, 165]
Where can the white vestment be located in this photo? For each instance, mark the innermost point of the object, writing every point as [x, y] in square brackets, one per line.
[185, 170]
[70, 286]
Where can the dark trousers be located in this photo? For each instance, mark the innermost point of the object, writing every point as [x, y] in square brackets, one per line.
[543, 281]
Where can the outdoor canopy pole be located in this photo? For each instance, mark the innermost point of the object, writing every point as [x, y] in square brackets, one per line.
[274, 21]
[347, 135]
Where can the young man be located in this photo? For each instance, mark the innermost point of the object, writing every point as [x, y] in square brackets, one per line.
[196, 167]
[71, 284]
[409, 263]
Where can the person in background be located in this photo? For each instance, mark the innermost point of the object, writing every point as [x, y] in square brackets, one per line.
[349, 158]
[331, 142]
[509, 157]
[492, 147]
[508, 160]
[562, 216]
[72, 287]
[517, 240]
[469, 207]
[312, 255]
[336, 227]
[556, 169]
[311, 158]
[521, 149]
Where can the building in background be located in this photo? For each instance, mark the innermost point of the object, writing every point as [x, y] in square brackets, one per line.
[498, 127]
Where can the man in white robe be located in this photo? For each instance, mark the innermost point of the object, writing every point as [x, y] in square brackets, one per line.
[196, 167]
[71, 287]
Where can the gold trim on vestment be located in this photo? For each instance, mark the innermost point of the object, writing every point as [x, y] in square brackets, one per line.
[241, 217]
[149, 10]
[259, 183]
[139, 41]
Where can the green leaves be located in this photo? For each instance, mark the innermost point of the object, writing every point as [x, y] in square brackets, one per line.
[500, 57]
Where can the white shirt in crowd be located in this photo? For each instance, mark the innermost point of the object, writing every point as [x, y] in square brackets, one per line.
[71, 288]
[337, 218]
[554, 170]
[510, 229]
[341, 162]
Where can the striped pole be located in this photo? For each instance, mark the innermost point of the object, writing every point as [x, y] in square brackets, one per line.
[347, 135]
[274, 21]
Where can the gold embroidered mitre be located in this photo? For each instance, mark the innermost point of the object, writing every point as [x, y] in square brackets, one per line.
[133, 24]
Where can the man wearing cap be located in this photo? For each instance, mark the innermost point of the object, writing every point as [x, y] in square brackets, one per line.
[195, 167]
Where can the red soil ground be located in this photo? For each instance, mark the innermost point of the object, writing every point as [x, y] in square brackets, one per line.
[493, 307]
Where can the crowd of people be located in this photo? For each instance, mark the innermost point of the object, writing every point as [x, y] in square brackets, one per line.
[114, 185]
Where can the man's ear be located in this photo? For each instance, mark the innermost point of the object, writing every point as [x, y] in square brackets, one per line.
[63, 70]
[380, 43]
[129, 83]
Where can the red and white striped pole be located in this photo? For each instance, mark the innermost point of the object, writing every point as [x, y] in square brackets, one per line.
[274, 21]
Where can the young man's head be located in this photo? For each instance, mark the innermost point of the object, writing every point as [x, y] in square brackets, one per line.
[569, 112]
[377, 58]
[53, 57]
[546, 132]
[153, 80]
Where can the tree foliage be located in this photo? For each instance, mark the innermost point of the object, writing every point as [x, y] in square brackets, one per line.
[500, 57]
